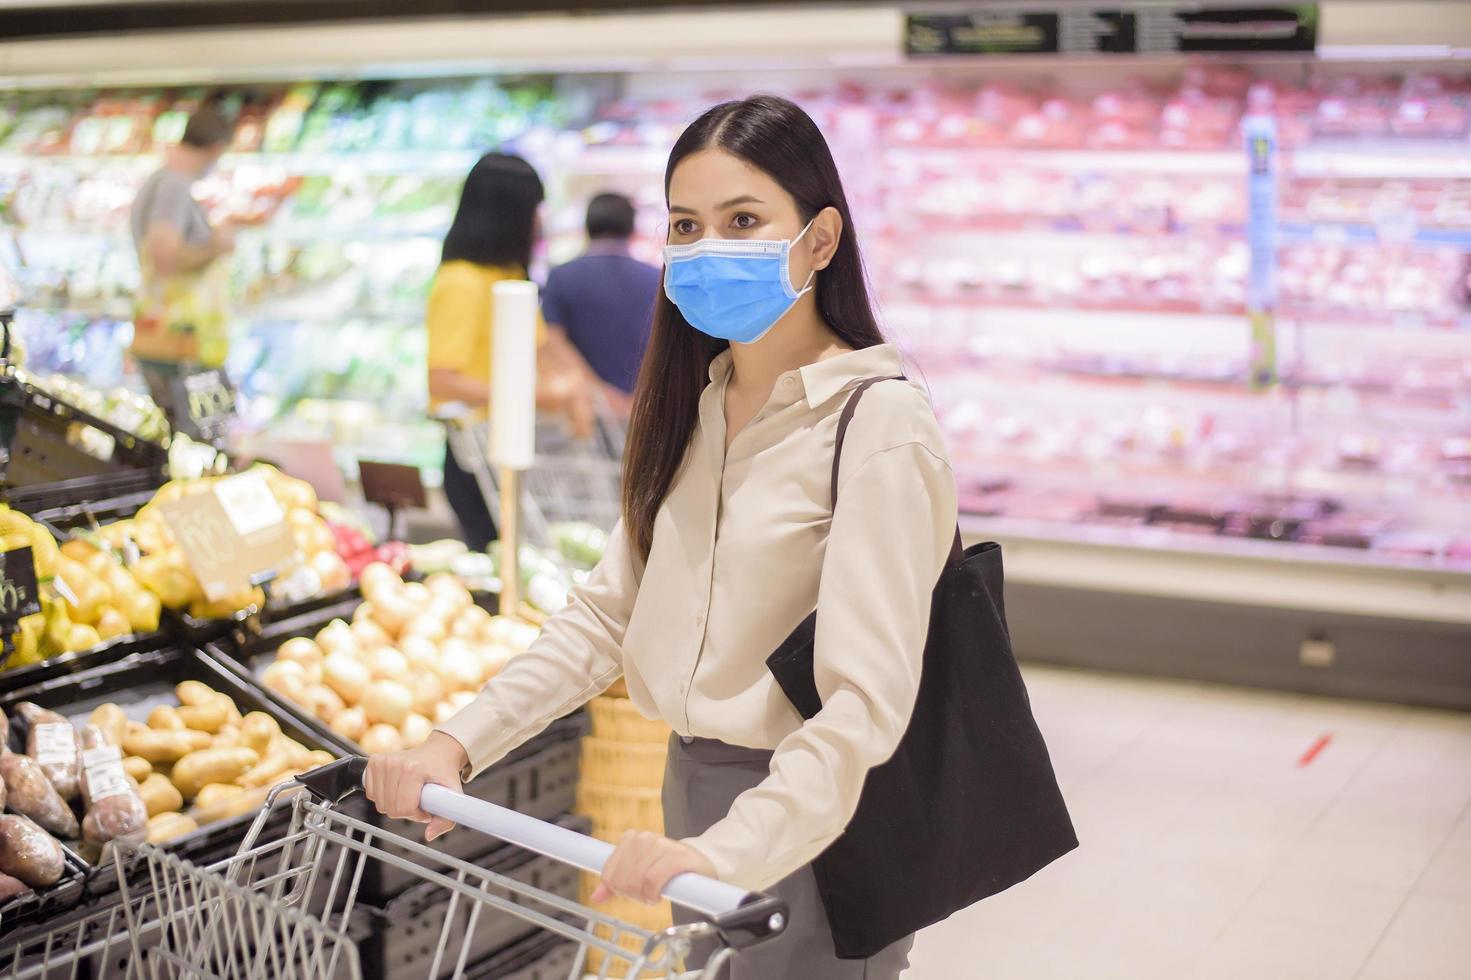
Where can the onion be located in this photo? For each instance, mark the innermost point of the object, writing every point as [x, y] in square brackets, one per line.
[336, 636]
[415, 729]
[323, 702]
[392, 611]
[428, 626]
[350, 723]
[377, 579]
[380, 739]
[388, 703]
[428, 691]
[346, 676]
[417, 593]
[286, 678]
[301, 649]
[459, 667]
[370, 635]
[386, 663]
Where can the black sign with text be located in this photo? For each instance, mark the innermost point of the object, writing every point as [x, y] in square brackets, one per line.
[1146, 29]
[20, 593]
[205, 404]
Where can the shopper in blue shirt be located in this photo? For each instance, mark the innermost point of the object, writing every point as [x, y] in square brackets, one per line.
[604, 300]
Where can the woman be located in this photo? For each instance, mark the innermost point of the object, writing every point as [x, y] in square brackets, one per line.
[489, 241]
[729, 539]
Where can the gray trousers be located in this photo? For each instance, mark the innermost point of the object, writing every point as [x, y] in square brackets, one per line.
[701, 780]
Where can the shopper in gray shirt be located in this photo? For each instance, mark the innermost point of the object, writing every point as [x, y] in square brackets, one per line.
[179, 323]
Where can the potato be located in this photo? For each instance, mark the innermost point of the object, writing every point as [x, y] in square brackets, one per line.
[459, 667]
[227, 737]
[388, 703]
[160, 795]
[300, 754]
[195, 693]
[205, 717]
[258, 731]
[167, 826]
[380, 739]
[214, 793]
[277, 761]
[350, 723]
[159, 746]
[346, 676]
[138, 769]
[230, 806]
[111, 720]
[198, 769]
[415, 729]
[318, 758]
[286, 678]
[165, 718]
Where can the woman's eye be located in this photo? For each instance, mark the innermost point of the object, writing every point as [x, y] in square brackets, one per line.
[745, 222]
[684, 226]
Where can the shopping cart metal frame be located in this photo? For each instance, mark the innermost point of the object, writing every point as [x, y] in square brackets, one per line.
[285, 908]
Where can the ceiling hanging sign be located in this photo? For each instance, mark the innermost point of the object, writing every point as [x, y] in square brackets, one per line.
[1147, 29]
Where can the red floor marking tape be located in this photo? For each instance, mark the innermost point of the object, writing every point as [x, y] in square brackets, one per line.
[1314, 750]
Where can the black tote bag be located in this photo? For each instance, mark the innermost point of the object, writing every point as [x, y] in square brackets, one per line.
[968, 805]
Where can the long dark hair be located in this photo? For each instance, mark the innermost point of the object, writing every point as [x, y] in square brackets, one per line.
[496, 219]
[777, 137]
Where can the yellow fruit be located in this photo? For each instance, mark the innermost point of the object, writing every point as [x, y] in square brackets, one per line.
[89, 593]
[172, 583]
[142, 610]
[82, 638]
[111, 624]
[43, 546]
[120, 582]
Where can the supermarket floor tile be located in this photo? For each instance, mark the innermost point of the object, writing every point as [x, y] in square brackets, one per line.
[1230, 833]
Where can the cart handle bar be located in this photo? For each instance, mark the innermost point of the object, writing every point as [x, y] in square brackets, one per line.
[742, 917]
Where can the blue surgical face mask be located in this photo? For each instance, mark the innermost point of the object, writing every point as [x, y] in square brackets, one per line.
[730, 288]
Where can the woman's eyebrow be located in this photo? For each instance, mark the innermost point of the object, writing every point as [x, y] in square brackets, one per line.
[743, 199]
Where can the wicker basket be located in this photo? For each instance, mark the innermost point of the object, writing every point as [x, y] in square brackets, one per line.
[633, 764]
[616, 719]
[615, 810]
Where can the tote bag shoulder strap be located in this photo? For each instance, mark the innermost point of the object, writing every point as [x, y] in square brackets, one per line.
[957, 547]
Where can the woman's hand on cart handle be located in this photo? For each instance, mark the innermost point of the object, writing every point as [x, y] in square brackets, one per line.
[644, 863]
[395, 780]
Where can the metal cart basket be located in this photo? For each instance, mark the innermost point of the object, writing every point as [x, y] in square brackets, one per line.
[288, 909]
[571, 479]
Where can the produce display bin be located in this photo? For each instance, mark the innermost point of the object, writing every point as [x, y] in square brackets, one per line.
[36, 911]
[538, 779]
[140, 682]
[107, 497]
[402, 937]
[42, 452]
[67, 664]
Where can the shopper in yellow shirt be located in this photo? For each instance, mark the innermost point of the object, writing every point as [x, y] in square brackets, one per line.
[489, 241]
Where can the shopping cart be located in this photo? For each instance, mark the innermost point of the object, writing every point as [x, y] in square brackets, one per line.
[287, 908]
[571, 479]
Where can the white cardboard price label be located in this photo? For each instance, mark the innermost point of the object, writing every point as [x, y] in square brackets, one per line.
[56, 743]
[248, 503]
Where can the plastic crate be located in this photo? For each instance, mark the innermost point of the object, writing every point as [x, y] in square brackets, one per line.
[140, 682]
[35, 912]
[76, 503]
[403, 937]
[538, 778]
[42, 453]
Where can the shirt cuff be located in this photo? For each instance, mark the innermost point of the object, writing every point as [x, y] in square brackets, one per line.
[485, 737]
[732, 864]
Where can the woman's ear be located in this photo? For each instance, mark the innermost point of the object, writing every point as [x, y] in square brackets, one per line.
[827, 231]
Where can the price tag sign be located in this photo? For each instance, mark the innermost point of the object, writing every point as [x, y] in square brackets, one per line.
[204, 404]
[20, 594]
[233, 535]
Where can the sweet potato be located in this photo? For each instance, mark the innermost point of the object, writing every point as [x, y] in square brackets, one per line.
[197, 769]
[110, 718]
[11, 887]
[160, 746]
[114, 807]
[52, 741]
[167, 826]
[31, 794]
[160, 795]
[29, 853]
[165, 718]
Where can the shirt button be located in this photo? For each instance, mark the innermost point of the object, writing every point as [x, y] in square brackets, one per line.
[687, 739]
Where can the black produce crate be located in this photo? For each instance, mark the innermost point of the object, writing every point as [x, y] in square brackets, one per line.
[141, 682]
[40, 452]
[66, 664]
[26, 917]
[543, 956]
[404, 936]
[538, 778]
[76, 503]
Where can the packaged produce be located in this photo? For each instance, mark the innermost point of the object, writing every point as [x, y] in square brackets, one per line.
[30, 793]
[114, 807]
[28, 853]
[54, 744]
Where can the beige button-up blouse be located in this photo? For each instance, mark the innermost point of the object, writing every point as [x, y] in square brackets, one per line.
[745, 546]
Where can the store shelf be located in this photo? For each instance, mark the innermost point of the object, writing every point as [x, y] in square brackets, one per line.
[1155, 562]
[1209, 163]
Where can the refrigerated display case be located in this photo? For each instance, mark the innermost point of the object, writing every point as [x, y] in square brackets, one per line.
[1066, 262]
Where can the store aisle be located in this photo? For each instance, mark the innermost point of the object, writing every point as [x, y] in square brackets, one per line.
[1217, 844]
